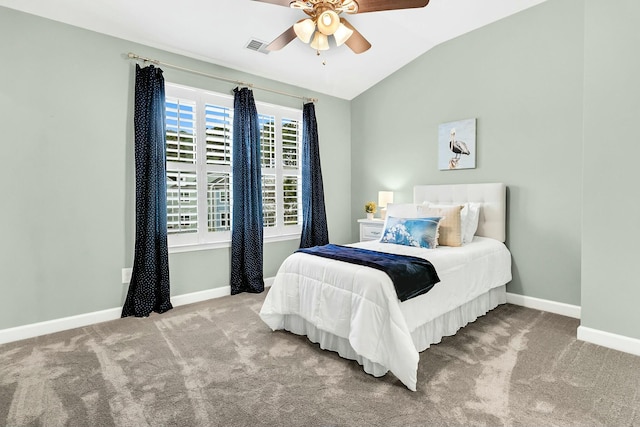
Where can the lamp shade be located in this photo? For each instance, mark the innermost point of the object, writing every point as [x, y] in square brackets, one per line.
[328, 22]
[342, 34]
[304, 29]
[384, 198]
[320, 41]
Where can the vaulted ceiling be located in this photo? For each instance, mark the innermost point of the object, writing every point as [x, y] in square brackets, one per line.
[219, 31]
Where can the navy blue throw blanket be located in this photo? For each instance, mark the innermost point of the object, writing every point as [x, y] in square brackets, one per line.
[411, 276]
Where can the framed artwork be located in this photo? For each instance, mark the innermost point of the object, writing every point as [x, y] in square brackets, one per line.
[457, 145]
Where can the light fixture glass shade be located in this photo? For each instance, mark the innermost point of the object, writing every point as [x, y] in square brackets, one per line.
[342, 34]
[320, 42]
[304, 29]
[328, 22]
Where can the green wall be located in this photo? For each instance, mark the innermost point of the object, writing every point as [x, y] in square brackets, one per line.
[521, 78]
[556, 94]
[67, 217]
[610, 284]
[554, 90]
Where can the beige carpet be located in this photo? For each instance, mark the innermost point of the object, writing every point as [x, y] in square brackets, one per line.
[216, 364]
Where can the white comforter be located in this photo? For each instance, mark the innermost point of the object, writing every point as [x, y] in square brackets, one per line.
[359, 303]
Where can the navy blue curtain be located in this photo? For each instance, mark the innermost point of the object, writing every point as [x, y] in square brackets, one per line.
[149, 286]
[314, 217]
[246, 225]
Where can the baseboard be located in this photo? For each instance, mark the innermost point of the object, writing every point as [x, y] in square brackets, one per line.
[58, 325]
[192, 297]
[609, 340]
[78, 321]
[594, 336]
[544, 305]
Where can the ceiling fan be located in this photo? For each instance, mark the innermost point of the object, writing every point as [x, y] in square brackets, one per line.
[324, 21]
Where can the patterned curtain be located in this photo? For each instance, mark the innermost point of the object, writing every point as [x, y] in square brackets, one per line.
[149, 286]
[314, 217]
[246, 226]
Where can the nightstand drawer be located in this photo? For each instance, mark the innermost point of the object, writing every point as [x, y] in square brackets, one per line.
[370, 229]
[371, 232]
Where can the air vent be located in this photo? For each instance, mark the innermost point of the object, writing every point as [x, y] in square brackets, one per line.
[258, 46]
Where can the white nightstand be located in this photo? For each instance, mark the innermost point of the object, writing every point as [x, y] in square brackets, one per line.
[370, 229]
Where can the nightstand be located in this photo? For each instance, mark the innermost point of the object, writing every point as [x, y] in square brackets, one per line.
[370, 229]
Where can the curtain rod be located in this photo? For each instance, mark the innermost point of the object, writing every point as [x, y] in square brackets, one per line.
[238, 82]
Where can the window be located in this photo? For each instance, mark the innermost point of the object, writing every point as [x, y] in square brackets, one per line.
[199, 142]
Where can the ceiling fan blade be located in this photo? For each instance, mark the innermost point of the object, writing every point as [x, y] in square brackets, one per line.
[284, 3]
[378, 5]
[282, 40]
[356, 42]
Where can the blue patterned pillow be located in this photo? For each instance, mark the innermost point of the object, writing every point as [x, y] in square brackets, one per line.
[418, 232]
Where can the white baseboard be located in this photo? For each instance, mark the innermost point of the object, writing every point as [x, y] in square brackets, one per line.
[609, 340]
[185, 299]
[78, 321]
[594, 336]
[545, 305]
[57, 325]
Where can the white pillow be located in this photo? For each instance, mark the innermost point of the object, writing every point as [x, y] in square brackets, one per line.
[470, 221]
[402, 210]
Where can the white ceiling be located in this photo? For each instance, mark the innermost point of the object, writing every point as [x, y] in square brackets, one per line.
[218, 31]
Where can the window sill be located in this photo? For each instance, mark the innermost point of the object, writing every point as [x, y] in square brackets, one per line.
[227, 244]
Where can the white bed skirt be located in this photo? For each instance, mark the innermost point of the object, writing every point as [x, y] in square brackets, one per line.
[429, 333]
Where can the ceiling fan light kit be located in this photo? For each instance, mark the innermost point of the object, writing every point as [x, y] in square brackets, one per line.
[320, 42]
[342, 34]
[328, 22]
[324, 21]
[304, 29]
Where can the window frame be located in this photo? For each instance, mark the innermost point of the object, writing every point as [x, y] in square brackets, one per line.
[202, 239]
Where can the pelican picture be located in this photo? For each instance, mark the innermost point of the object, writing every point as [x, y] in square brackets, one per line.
[457, 145]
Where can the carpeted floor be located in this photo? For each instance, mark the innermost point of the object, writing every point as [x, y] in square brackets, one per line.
[216, 364]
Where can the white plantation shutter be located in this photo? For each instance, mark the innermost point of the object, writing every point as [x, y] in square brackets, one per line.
[267, 140]
[182, 196]
[182, 202]
[181, 132]
[290, 143]
[218, 201]
[219, 131]
[291, 198]
[292, 184]
[282, 210]
[199, 142]
[219, 124]
[269, 201]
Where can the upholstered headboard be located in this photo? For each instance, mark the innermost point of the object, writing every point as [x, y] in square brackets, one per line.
[492, 197]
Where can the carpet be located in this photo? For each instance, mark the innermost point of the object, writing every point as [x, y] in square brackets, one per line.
[215, 363]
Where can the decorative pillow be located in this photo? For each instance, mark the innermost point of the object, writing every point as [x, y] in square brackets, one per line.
[418, 232]
[469, 217]
[400, 210]
[450, 226]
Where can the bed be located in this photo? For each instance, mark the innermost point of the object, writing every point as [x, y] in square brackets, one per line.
[354, 310]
